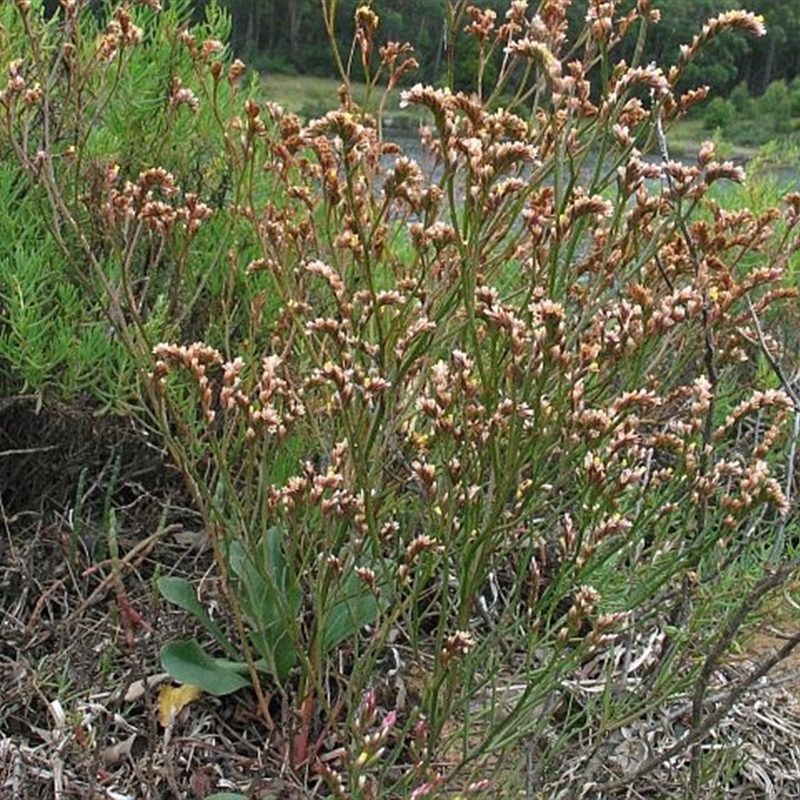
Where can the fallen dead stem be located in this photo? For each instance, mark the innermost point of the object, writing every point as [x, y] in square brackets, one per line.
[729, 718]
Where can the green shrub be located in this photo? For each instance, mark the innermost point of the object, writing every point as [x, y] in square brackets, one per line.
[118, 101]
[467, 429]
[776, 105]
[741, 99]
[54, 342]
[754, 121]
[720, 114]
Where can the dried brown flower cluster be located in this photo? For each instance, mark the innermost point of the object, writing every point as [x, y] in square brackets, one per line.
[120, 34]
[150, 200]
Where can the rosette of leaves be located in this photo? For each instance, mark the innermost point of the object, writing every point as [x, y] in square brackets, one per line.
[270, 597]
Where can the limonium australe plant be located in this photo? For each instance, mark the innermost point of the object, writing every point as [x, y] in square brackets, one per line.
[468, 442]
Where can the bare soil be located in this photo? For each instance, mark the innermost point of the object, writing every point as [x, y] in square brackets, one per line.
[80, 638]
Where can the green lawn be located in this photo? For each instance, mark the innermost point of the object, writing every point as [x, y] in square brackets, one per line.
[298, 92]
[311, 96]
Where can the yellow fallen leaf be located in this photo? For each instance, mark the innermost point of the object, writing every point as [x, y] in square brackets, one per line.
[173, 699]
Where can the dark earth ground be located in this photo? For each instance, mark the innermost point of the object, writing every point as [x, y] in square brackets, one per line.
[80, 635]
[78, 632]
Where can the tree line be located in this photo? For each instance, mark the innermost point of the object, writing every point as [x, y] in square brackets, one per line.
[289, 36]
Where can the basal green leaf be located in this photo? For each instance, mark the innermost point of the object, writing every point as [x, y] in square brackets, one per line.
[270, 596]
[355, 608]
[180, 592]
[187, 662]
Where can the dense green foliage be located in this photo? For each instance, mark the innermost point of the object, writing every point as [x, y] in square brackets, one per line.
[754, 121]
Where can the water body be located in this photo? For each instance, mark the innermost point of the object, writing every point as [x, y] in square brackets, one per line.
[783, 169]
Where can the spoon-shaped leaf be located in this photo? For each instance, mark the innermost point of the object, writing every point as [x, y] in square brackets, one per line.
[180, 592]
[187, 662]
